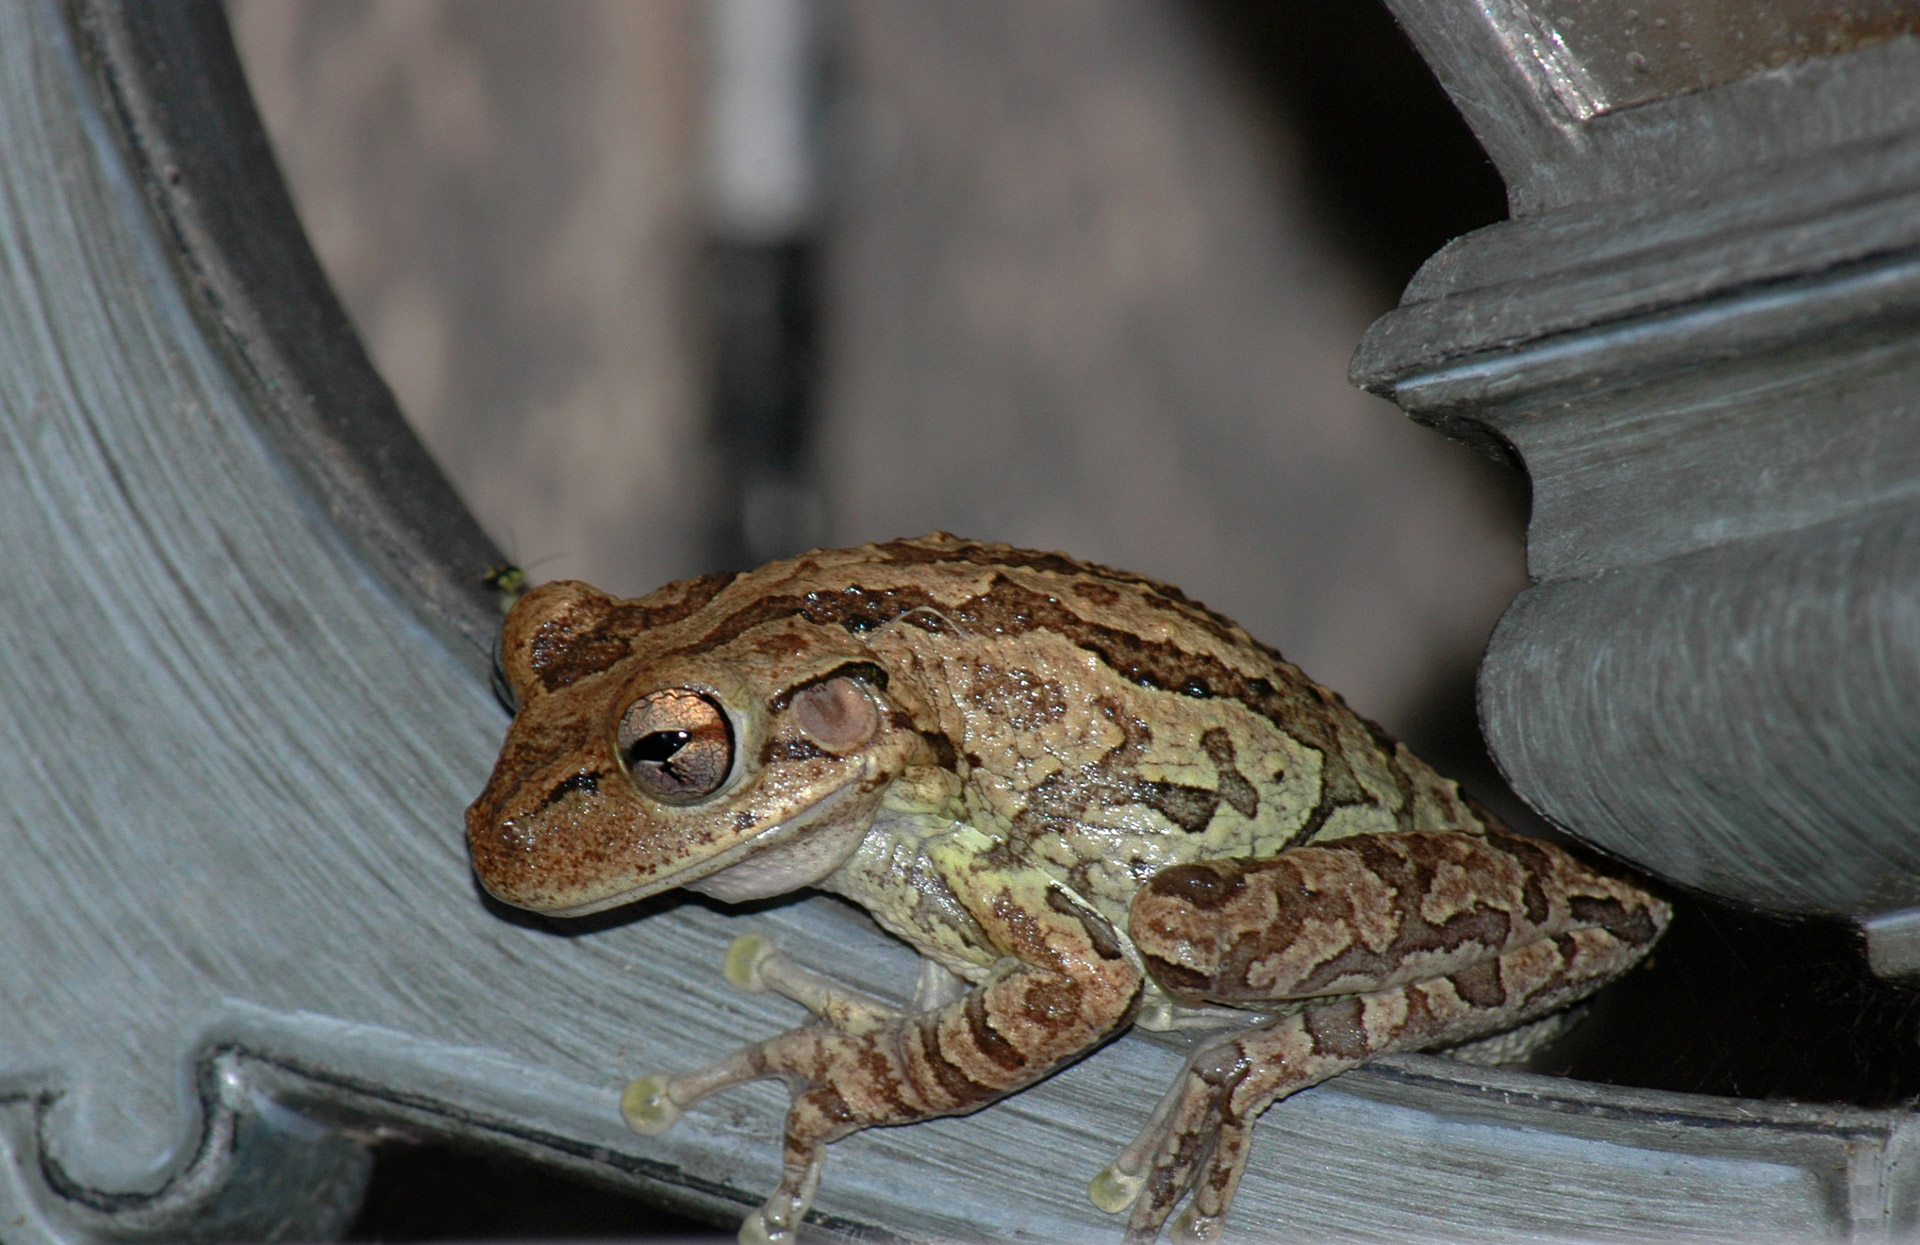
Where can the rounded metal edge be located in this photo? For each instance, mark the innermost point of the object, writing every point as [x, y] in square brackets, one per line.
[173, 89]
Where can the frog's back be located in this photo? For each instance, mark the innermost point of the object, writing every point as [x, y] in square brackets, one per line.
[1106, 726]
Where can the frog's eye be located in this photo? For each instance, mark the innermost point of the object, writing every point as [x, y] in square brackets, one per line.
[677, 745]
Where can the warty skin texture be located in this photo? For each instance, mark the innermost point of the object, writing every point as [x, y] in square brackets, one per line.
[1089, 801]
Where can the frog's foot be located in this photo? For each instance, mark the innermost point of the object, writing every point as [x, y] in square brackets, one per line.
[755, 963]
[1163, 1164]
[647, 1105]
[829, 1073]
[1213, 1189]
[1119, 1183]
[1196, 1140]
[778, 1220]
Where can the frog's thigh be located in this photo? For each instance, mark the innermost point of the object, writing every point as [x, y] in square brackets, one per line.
[1197, 1141]
[1362, 914]
[1391, 942]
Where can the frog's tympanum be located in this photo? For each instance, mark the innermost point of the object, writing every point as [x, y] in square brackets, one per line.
[1087, 801]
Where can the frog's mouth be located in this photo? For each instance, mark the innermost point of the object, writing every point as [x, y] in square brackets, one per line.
[786, 856]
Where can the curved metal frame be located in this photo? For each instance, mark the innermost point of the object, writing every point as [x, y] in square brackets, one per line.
[185, 116]
[246, 668]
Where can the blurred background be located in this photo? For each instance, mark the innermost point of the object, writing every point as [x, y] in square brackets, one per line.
[680, 286]
[683, 285]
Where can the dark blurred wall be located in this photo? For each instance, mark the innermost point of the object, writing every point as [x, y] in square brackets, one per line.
[506, 197]
[1088, 283]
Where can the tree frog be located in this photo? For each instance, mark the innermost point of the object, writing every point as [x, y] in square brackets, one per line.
[1087, 801]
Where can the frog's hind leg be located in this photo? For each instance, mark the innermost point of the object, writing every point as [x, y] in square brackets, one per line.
[1198, 1142]
[1381, 943]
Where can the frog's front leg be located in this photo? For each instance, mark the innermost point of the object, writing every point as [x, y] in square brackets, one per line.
[650, 1104]
[1067, 981]
[754, 963]
[1369, 944]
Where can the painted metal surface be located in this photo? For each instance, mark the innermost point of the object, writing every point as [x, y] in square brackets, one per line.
[246, 702]
[1710, 385]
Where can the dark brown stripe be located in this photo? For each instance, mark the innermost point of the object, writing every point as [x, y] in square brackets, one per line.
[831, 1105]
[1190, 808]
[1537, 863]
[986, 1039]
[864, 671]
[1052, 1002]
[1207, 886]
[1561, 978]
[1337, 1031]
[1099, 594]
[944, 753]
[1632, 926]
[952, 1080]
[1239, 794]
[560, 655]
[788, 749]
[1479, 985]
[1316, 820]
[883, 1079]
[587, 780]
[1157, 593]
[1177, 978]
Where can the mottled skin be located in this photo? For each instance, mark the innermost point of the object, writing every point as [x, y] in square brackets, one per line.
[1088, 800]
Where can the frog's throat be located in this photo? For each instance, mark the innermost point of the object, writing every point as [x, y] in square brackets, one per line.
[791, 856]
[784, 857]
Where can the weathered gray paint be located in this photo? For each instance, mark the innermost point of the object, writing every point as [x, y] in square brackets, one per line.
[246, 703]
[1556, 144]
[1607, 55]
[1710, 381]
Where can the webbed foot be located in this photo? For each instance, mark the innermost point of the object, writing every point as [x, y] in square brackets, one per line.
[745, 955]
[1195, 1143]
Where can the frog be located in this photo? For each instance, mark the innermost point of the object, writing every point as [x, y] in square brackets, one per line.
[1087, 801]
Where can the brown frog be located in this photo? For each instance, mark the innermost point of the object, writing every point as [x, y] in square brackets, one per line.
[1087, 801]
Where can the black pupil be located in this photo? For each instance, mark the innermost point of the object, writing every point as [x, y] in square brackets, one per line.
[657, 748]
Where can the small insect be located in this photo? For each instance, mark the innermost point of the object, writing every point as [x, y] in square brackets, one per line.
[509, 581]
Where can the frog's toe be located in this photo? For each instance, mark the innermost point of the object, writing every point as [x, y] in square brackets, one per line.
[745, 956]
[1187, 1139]
[1113, 1190]
[648, 1107]
[1190, 1227]
[754, 1230]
